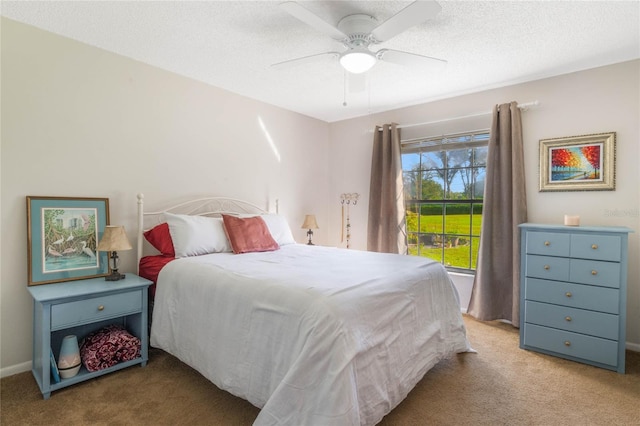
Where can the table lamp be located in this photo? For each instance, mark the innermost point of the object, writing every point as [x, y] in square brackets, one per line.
[114, 239]
[310, 223]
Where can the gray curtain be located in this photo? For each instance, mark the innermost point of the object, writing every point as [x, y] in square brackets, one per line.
[386, 227]
[496, 288]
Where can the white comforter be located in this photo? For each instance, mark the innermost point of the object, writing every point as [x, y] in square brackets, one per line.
[312, 335]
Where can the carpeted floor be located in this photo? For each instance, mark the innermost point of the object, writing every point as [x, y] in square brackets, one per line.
[499, 385]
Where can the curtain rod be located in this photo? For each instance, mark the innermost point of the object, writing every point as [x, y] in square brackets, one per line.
[523, 107]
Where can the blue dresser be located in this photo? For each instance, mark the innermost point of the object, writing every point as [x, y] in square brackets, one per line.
[573, 288]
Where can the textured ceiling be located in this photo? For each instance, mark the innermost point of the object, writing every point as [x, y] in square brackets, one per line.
[231, 44]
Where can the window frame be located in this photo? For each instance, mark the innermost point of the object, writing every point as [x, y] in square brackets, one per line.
[447, 142]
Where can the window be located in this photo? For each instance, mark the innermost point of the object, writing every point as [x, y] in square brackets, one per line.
[443, 190]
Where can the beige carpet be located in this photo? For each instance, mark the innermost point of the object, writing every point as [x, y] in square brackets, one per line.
[500, 385]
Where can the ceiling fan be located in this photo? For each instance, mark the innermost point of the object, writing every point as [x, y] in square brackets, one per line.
[359, 31]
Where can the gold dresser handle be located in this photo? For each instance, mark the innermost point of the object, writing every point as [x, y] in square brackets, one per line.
[568, 294]
[567, 343]
[568, 319]
[594, 246]
[547, 243]
[101, 308]
[547, 267]
[594, 272]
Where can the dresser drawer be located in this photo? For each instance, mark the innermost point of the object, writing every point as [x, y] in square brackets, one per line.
[94, 309]
[598, 247]
[548, 243]
[551, 268]
[594, 272]
[576, 345]
[583, 321]
[573, 295]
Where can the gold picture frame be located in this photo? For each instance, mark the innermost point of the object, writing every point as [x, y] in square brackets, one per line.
[578, 163]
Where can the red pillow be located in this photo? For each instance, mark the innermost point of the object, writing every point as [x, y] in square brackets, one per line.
[248, 234]
[160, 238]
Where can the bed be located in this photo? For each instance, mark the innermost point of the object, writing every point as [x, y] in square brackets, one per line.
[311, 335]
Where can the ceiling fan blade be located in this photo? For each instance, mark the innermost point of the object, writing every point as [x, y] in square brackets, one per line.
[409, 59]
[414, 14]
[312, 20]
[305, 60]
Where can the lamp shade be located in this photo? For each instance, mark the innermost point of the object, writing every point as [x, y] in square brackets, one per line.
[310, 222]
[114, 239]
[357, 60]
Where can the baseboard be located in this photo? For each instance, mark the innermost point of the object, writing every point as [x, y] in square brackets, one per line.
[635, 347]
[15, 369]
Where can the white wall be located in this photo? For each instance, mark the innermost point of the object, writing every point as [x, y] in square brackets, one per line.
[593, 101]
[80, 121]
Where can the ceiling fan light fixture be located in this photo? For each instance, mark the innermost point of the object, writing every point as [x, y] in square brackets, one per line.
[357, 60]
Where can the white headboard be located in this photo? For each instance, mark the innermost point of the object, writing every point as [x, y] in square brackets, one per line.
[211, 206]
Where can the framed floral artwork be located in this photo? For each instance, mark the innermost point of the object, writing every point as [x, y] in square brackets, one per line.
[63, 233]
[578, 163]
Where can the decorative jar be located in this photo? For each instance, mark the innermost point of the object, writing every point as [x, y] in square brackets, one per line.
[69, 360]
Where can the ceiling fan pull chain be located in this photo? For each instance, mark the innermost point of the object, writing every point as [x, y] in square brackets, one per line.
[369, 93]
[344, 90]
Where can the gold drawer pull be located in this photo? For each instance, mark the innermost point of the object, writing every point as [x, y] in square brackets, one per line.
[594, 272]
[101, 308]
[594, 246]
[547, 267]
[567, 343]
[568, 294]
[568, 319]
[547, 243]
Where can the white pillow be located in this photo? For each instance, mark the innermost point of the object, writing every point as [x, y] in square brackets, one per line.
[196, 235]
[278, 228]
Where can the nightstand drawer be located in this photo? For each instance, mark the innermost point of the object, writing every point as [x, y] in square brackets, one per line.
[551, 268]
[573, 295]
[598, 247]
[606, 274]
[68, 314]
[582, 321]
[548, 243]
[575, 345]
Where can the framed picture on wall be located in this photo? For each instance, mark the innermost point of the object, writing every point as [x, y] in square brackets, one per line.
[63, 234]
[578, 163]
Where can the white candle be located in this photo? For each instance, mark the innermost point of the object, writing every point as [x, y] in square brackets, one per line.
[571, 220]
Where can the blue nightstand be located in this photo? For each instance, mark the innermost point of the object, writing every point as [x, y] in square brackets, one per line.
[82, 307]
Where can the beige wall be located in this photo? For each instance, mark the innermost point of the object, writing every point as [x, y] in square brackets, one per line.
[594, 101]
[79, 121]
